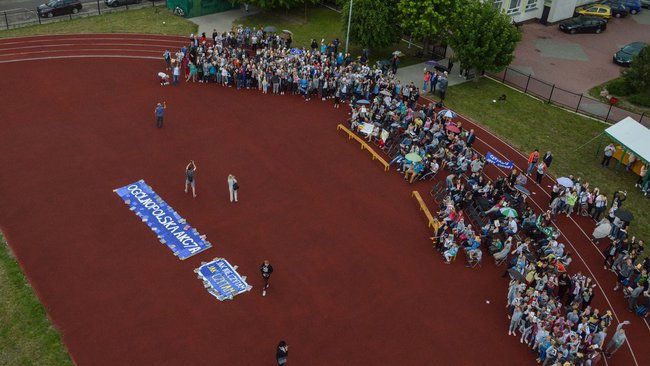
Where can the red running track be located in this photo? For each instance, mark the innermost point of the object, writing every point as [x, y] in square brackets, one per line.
[356, 281]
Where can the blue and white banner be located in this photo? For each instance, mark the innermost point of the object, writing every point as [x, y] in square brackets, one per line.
[490, 158]
[221, 279]
[171, 229]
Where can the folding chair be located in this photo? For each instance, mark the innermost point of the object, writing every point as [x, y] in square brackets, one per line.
[474, 258]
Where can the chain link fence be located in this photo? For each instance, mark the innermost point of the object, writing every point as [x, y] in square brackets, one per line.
[577, 102]
[23, 17]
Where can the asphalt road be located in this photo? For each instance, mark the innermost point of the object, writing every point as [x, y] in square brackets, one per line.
[17, 4]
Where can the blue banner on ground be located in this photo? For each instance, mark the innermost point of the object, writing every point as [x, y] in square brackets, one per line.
[490, 158]
[169, 226]
[221, 279]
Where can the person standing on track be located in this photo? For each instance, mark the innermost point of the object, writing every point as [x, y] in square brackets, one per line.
[617, 340]
[190, 180]
[547, 159]
[266, 270]
[532, 161]
[233, 187]
[541, 170]
[281, 353]
[159, 113]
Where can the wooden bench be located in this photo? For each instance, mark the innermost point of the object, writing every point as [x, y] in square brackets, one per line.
[433, 222]
[364, 146]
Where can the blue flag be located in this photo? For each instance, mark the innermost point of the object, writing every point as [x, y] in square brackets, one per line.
[490, 158]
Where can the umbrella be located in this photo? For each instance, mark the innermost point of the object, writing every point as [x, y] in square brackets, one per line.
[287, 31]
[414, 157]
[431, 62]
[449, 114]
[270, 29]
[522, 189]
[624, 215]
[516, 275]
[453, 128]
[602, 230]
[398, 53]
[385, 92]
[363, 101]
[508, 212]
[566, 182]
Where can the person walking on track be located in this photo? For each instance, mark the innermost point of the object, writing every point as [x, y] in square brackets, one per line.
[266, 270]
[190, 180]
[159, 112]
[233, 187]
[281, 353]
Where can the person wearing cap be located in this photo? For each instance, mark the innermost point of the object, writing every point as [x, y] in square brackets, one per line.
[159, 113]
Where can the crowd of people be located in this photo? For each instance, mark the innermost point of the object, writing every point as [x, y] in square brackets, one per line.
[550, 308]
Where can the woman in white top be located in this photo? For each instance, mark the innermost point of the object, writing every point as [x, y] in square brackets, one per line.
[233, 187]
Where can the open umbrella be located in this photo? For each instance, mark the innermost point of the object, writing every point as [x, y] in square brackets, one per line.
[449, 114]
[508, 212]
[566, 182]
[624, 215]
[398, 53]
[414, 157]
[286, 31]
[452, 128]
[516, 275]
[363, 101]
[385, 92]
[522, 189]
[270, 29]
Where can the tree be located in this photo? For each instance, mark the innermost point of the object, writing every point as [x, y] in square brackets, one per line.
[274, 4]
[637, 75]
[373, 22]
[482, 37]
[426, 20]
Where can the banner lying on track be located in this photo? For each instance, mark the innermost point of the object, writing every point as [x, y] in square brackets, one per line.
[168, 225]
[221, 279]
[490, 158]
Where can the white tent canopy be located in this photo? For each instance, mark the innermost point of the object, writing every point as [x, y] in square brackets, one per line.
[632, 135]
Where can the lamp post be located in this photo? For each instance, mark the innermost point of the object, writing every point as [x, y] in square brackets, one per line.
[347, 35]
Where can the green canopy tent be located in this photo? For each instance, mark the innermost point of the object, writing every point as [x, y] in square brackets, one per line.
[633, 137]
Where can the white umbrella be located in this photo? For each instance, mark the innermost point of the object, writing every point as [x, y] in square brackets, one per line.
[449, 114]
[566, 182]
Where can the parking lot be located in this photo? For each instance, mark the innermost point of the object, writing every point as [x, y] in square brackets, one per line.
[581, 61]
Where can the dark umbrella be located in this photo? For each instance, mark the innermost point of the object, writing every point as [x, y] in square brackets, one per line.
[624, 215]
[270, 29]
[516, 275]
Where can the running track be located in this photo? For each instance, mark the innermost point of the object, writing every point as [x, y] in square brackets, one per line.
[356, 281]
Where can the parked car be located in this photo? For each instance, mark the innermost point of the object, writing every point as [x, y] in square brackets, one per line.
[602, 11]
[645, 4]
[621, 8]
[625, 55]
[58, 7]
[633, 6]
[583, 24]
[114, 3]
[618, 10]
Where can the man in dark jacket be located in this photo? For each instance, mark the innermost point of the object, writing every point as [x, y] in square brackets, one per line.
[266, 270]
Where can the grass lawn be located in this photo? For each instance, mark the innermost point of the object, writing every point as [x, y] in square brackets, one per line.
[145, 20]
[26, 335]
[322, 23]
[527, 123]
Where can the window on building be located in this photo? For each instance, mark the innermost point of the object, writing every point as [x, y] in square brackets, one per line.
[531, 5]
[498, 4]
[515, 7]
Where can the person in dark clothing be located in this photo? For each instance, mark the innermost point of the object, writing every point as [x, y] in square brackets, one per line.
[266, 270]
[281, 353]
[547, 159]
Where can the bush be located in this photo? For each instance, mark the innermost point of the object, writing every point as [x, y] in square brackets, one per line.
[619, 87]
[642, 99]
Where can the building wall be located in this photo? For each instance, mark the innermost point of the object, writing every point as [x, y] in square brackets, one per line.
[523, 10]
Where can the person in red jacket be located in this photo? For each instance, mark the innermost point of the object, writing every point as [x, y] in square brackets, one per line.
[532, 161]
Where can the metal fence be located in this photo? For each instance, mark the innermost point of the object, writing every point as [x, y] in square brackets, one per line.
[23, 17]
[576, 102]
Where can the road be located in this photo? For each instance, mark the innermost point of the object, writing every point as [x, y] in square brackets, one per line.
[17, 4]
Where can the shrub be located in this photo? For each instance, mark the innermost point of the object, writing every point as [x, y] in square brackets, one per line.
[641, 99]
[619, 87]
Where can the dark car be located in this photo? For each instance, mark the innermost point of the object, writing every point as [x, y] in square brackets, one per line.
[583, 25]
[645, 4]
[625, 55]
[58, 7]
[114, 3]
[619, 10]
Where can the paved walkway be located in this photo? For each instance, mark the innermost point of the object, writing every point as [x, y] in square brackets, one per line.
[415, 73]
[221, 21]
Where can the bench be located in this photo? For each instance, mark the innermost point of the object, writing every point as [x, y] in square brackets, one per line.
[364, 146]
[432, 222]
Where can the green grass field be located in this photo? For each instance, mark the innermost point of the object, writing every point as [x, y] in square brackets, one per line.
[145, 20]
[527, 124]
[26, 335]
[322, 23]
